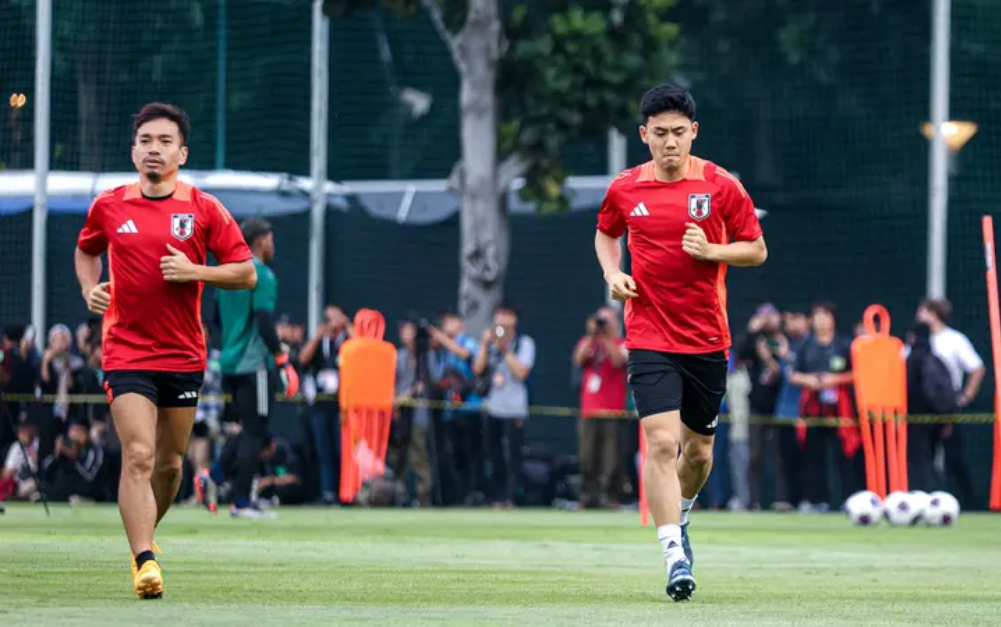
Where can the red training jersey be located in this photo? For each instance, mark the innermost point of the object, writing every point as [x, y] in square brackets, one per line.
[152, 324]
[681, 306]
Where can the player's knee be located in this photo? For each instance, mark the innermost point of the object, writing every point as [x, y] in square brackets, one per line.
[698, 453]
[169, 465]
[137, 459]
[662, 445]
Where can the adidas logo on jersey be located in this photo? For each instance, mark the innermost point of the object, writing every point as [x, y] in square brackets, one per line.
[640, 210]
[188, 395]
[128, 227]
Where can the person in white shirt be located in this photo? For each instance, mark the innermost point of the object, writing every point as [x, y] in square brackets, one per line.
[954, 349]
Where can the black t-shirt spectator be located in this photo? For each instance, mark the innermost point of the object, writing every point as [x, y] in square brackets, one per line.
[764, 384]
[834, 357]
[324, 367]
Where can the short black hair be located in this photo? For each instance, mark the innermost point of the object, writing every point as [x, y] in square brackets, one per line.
[162, 111]
[254, 228]
[827, 306]
[667, 98]
[506, 307]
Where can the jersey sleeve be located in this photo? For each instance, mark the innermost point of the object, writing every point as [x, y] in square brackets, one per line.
[266, 292]
[92, 239]
[738, 213]
[225, 239]
[611, 219]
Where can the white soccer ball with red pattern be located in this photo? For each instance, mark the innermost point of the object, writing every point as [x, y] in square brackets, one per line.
[920, 500]
[942, 510]
[902, 509]
[864, 508]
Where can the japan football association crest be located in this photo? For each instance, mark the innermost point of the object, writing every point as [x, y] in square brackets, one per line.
[182, 225]
[699, 206]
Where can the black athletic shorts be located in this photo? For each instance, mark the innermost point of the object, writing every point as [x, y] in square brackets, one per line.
[694, 384]
[252, 398]
[164, 389]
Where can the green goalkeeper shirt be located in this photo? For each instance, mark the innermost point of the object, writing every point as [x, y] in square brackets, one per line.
[243, 347]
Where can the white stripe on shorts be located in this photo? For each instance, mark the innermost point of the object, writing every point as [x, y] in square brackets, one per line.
[262, 392]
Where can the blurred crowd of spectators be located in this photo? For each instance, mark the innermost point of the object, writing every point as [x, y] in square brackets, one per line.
[784, 366]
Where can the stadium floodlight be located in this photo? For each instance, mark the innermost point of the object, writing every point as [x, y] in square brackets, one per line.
[957, 133]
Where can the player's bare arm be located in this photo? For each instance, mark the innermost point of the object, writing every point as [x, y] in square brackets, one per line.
[88, 273]
[177, 268]
[739, 254]
[609, 252]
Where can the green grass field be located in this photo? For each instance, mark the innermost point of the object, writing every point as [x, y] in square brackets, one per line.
[423, 567]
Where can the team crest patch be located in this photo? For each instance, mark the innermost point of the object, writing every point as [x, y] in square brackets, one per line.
[699, 206]
[182, 225]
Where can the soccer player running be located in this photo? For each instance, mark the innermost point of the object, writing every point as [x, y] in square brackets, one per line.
[250, 345]
[688, 219]
[157, 233]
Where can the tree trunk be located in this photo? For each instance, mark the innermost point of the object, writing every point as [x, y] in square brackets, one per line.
[485, 233]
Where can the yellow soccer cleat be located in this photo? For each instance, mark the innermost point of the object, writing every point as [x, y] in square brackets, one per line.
[132, 562]
[148, 582]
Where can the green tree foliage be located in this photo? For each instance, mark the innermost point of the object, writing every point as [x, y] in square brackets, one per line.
[572, 70]
[569, 70]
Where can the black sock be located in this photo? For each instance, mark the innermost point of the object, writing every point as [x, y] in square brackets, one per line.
[144, 557]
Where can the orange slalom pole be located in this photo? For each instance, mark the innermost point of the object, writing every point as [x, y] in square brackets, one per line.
[868, 449]
[995, 321]
[880, 457]
[902, 452]
[347, 460]
[644, 506]
[892, 466]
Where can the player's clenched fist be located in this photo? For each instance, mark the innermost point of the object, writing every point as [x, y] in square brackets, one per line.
[176, 267]
[622, 286]
[695, 243]
[99, 298]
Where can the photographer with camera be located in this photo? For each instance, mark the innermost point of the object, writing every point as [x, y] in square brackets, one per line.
[409, 434]
[460, 431]
[602, 357]
[320, 362]
[502, 366]
[73, 472]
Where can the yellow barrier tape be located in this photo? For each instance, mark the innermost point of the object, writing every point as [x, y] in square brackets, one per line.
[533, 410]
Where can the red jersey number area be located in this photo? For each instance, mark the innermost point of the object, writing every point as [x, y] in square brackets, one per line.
[153, 324]
[681, 307]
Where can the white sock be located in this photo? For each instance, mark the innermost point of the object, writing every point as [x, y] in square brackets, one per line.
[686, 508]
[670, 541]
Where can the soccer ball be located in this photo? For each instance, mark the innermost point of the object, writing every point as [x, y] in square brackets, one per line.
[902, 509]
[920, 500]
[942, 510]
[864, 508]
